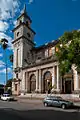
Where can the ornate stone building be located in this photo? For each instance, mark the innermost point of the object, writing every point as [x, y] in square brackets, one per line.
[36, 68]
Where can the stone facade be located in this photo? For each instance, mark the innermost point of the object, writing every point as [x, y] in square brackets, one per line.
[36, 69]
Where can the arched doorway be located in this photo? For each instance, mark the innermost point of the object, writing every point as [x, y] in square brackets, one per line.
[47, 82]
[67, 83]
[32, 83]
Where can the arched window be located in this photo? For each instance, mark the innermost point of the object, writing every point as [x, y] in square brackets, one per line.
[32, 83]
[47, 82]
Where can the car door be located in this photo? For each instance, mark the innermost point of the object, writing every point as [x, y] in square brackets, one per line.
[49, 101]
[55, 102]
[4, 97]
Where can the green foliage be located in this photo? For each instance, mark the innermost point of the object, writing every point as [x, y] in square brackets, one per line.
[4, 43]
[9, 83]
[69, 51]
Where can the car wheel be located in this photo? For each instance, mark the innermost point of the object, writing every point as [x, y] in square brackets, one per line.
[45, 104]
[63, 106]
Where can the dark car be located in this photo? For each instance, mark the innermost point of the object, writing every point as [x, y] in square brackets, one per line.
[57, 101]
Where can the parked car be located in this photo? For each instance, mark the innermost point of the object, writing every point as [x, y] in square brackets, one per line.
[7, 97]
[57, 101]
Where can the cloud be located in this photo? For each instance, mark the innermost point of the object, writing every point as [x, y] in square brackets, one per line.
[2, 64]
[8, 8]
[1, 55]
[9, 70]
[3, 26]
[14, 22]
[30, 1]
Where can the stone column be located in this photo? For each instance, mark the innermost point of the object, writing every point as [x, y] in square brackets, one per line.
[14, 58]
[21, 50]
[43, 87]
[13, 87]
[40, 80]
[53, 76]
[23, 84]
[21, 78]
[76, 81]
[26, 82]
[18, 88]
[57, 77]
[37, 81]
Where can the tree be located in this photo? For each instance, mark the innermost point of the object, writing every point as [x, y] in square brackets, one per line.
[69, 51]
[8, 86]
[9, 83]
[4, 44]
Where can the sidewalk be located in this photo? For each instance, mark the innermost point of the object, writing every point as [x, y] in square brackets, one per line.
[71, 97]
[39, 101]
[77, 104]
[30, 101]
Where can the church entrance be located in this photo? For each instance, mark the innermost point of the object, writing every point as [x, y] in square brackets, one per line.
[47, 82]
[32, 83]
[68, 86]
[67, 83]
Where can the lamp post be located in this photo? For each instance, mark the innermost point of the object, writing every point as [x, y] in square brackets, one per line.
[47, 86]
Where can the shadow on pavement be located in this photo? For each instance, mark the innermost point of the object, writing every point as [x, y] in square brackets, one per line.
[7, 114]
[76, 107]
[11, 114]
[13, 100]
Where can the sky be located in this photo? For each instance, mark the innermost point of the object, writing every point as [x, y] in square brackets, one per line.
[50, 19]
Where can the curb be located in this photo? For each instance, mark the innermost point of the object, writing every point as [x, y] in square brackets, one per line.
[29, 102]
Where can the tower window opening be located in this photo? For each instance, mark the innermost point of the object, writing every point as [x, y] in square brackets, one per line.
[17, 34]
[27, 23]
[28, 34]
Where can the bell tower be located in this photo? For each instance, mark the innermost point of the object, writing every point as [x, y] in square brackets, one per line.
[23, 39]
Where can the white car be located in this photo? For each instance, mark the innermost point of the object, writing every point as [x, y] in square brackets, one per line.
[6, 97]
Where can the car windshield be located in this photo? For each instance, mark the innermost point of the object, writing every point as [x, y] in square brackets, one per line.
[6, 95]
[54, 97]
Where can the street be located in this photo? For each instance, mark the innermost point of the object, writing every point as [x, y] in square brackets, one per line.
[35, 111]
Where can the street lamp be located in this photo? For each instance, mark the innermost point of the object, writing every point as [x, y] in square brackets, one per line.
[47, 85]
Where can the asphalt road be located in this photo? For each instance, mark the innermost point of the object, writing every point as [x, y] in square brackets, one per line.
[35, 111]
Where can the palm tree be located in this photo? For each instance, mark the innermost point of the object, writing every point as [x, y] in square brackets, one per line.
[4, 44]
